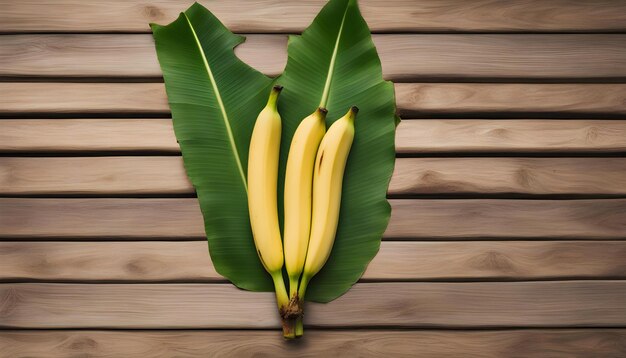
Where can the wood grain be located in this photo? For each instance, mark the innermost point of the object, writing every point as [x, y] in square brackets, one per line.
[522, 135]
[442, 176]
[180, 306]
[413, 99]
[68, 135]
[404, 58]
[429, 219]
[278, 16]
[189, 261]
[521, 99]
[107, 175]
[555, 343]
[83, 98]
[450, 176]
[491, 219]
[107, 278]
[412, 136]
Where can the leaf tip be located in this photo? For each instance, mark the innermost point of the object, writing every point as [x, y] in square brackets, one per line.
[196, 4]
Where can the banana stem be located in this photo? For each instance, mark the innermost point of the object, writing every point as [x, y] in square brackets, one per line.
[271, 102]
[303, 284]
[293, 286]
[299, 327]
[281, 292]
[295, 297]
[283, 302]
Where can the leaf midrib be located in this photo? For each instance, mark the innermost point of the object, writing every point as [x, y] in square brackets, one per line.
[220, 103]
[333, 59]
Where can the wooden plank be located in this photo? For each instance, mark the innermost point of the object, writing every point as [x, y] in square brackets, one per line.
[188, 261]
[491, 219]
[453, 305]
[523, 176]
[278, 16]
[121, 55]
[83, 97]
[488, 98]
[421, 99]
[524, 135]
[429, 219]
[412, 176]
[69, 135]
[105, 175]
[413, 136]
[404, 57]
[555, 343]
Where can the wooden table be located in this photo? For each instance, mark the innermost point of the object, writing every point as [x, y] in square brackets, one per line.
[509, 196]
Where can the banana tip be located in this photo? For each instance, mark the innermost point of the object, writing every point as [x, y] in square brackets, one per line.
[278, 88]
[355, 109]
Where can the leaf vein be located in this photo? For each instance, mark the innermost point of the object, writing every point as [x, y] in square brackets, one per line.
[333, 59]
[218, 96]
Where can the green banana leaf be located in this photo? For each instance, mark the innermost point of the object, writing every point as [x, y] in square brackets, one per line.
[334, 64]
[215, 99]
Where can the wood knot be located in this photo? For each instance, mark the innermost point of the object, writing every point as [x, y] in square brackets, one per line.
[138, 266]
[82, 343]
[9, 300]
[493, 261]
[524, 177]
[498, 133]
[429, 176]
[592, 134]
[153, 12]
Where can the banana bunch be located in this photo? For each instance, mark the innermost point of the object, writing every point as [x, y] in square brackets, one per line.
[312, 198]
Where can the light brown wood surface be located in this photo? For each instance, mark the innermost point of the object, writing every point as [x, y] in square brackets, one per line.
[508, 198]
[81, 135]
[99, 218]
[412, 98]
[505, 219]
[413, 136]
[407, 304]
[522, 135]
[424, 56]
[446, 176]
[464, 98]
[555, 343]
[483, 176]
[280, 16]
[187, 261]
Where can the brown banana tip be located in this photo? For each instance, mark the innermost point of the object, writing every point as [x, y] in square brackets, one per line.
[355, 109]
[323, 110]
[278, 88]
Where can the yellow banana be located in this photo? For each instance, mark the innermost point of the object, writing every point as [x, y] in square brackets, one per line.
[298, 192]
[262, 187]
[327, 182]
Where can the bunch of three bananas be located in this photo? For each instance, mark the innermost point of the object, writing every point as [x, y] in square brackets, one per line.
[312, 197]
